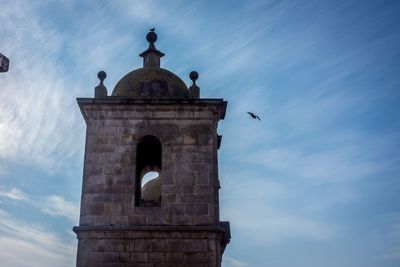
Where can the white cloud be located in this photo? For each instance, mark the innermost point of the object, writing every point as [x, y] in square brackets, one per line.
[57, 206]
[14, 194]
[37, 116]
[231, 262]
[24, 245]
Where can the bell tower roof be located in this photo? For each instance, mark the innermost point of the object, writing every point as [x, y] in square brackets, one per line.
[151, 81]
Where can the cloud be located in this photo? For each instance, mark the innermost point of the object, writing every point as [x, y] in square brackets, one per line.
[231, 262]
[26, 245]
[267, 210]
[57, 206]
[14, 194]
[37, 116]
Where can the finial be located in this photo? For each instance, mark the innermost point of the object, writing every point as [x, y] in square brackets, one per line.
[151, 36]
[194, 90]
[101, 75]
[4, 63]
[194, 76]
[151, 57]
[100, 90]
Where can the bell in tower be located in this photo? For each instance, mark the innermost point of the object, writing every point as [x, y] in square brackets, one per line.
[150, 177]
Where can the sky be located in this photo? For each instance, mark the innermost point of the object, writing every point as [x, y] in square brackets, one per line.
[314, 183]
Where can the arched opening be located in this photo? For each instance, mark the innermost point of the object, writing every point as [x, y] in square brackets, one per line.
[148, 168]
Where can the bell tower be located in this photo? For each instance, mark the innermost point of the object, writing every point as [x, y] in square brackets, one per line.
[150, 177]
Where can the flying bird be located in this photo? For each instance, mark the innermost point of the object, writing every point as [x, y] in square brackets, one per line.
[254, 116]
[153, 29]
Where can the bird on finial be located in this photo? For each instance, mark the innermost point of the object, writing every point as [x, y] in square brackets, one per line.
[153, 29]
[254, 116]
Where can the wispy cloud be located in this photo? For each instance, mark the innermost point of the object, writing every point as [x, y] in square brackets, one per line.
[57, 206]
[231, 262]
[14, 194]
[25, 245]
[36, 119]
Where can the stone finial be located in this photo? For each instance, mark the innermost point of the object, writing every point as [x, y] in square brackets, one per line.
[4, 63]
[194, 90]
[151, 57]
[100, 90]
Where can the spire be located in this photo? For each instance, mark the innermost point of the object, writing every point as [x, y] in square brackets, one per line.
[151, 57]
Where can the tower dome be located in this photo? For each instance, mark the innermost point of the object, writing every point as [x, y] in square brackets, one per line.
[151, 81]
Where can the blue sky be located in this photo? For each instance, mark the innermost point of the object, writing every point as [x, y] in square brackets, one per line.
[315, 183]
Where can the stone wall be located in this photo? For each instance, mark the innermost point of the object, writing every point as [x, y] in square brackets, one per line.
[149, 247]
[184, 230]
[189, 175]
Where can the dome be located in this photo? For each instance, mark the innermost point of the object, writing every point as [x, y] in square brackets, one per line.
[151, 82]
[151, 191]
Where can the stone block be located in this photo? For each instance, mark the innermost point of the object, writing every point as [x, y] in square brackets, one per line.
[176, 209]
[119, 246]
[201, 157]
[119, 220]
[196, 257]
[113, 123]
[143, 245]
[196, 209]
[195, 198]
[180, 220]
[124, 257]
[138, 257]
[165, 245]
[189, 140]
[94, 189]
[96, 209]
[201, 220]
[174, 257]
[110, 257]
[200, 189]
[137, 220]
[202, 178]
[156, 257]
[128, 159]
[94, 220]
[188, 189]
[184, 177]
[164, 114]
[194, 245]
[171, 198]
[171, 189]
[95, 198]
[129, 245]
[95, 257]
[112, 209]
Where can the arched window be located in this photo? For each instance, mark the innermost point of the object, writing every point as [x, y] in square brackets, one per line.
[148, 168]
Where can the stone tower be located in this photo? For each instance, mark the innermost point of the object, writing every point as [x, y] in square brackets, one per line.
[152, 123]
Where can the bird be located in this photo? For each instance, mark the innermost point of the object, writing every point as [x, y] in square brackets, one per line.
[254, 116]
[153, 29]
